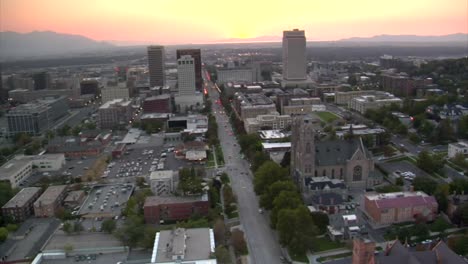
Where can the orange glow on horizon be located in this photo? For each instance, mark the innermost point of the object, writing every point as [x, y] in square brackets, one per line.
[204, 21]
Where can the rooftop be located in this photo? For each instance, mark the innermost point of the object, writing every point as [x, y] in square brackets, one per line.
[21, 198]
[271, 134]
[20, 161]
[74, 196]
[115, 103]
[276, 145]
[401, 199]
[162, 174]
[184, 245]
[50, 195]
[158, 200]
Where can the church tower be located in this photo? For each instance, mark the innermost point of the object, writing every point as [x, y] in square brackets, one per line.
[303, 148]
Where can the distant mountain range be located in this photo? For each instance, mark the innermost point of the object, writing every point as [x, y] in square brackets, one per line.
[40, 44]
[45, 43]
[459, 37]
[256, 39]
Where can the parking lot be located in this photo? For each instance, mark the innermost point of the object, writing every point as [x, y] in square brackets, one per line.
[106, 200]
[140, 160]
[403, 167]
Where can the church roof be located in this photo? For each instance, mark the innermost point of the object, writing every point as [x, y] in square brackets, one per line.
[330, 153]
[326, 199]
[324, 184]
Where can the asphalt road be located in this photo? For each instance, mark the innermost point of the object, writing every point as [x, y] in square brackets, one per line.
[262, 242]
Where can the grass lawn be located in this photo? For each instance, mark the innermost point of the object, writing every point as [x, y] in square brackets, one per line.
[324, 244]
[327, 117]
[299, 258]
[328, 258]
[219, 155]
[210, 162]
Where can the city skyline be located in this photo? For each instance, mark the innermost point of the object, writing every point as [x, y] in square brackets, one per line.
[182, 22]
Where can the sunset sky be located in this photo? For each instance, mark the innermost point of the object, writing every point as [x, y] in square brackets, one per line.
[204, 21]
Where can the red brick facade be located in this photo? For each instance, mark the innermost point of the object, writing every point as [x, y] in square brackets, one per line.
[174, 210]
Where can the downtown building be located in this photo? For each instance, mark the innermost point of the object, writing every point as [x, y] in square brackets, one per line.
[187, 97]
[20, 168]
[36, 117]
[50, 201]
[157, 104]
[380, 99]
[117, 112]
[156, 65]
[112, 92]
[294, 59]
[253, 105]
[21, 206]
[196, 55]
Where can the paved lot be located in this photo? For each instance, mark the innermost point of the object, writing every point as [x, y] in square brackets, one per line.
[30, 237]
[402, 166]
[100, 259]
[141, 159]
[106, 200]
[85, 240]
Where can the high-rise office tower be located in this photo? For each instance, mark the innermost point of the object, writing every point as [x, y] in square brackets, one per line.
[294, 55]
[156, 65]
[196, 55]
[186, 75]
[41, 80]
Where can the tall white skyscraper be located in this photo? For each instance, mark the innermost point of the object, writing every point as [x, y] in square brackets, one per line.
[186, 75]
[294, 55]
[187, 98]
[156, 65]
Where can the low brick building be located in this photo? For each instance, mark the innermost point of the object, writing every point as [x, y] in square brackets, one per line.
[50, 201]
[20, 207]
[157, 209]
[74, 199]
[385, 209]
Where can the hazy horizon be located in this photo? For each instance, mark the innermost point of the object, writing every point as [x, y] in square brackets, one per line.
[202, 22]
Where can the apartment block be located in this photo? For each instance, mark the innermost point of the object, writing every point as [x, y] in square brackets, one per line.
[390, 208]
[20, 207]
[48, 203]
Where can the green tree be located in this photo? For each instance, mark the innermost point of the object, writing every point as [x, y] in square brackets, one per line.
[21, 139]
[3, 234]
[430, 163]
[67, 228]
[266, 199]
[424, 184]
[421, 231]
[463, 127]
[77, 227]
[222, 255]
[131, 232]
[440, 225]
[109, 225]
[12, 227]
[441, 194]
[285, 200]
[147, 241]
[388, 188]
[321, 221]
[459, 186]
[266, 175]
[238, 241]
[296, 229]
